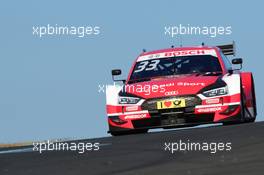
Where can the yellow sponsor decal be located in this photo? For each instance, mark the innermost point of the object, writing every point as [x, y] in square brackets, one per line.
[172, 103]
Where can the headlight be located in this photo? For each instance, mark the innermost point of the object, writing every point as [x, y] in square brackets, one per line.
[216, 92]
[128, 100]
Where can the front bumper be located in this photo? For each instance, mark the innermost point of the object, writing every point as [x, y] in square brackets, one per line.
[196, 112]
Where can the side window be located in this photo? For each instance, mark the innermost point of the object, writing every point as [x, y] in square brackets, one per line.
[227, 63]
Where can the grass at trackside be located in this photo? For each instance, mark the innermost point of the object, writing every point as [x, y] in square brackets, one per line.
[28, 143]
[13, 145]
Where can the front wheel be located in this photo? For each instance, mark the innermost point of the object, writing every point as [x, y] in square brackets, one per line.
[242, 116]
[254, 104]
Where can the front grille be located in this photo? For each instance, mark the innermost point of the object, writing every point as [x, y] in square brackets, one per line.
[165, 121]
[190, 101]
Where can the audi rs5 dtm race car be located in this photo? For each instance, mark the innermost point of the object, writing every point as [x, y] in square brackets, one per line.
[183, 86]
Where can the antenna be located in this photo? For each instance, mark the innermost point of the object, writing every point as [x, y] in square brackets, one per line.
[180, 41]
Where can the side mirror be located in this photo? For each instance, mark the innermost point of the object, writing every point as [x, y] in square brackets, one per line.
[116, 72]
[238, 61]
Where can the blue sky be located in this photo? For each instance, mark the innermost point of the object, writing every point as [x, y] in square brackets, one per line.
[49, 85]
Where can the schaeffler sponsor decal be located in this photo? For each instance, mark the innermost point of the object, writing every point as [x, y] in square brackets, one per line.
[190, 84]
[136, 116]
[184, 84]
[178, 53]
[212, 109]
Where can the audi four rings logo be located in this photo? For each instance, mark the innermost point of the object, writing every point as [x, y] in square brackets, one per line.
[171, 93]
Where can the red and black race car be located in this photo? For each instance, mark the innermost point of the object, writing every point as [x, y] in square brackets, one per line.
[178, 87]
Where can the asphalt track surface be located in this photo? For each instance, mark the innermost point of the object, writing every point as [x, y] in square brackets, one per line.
[145, 154]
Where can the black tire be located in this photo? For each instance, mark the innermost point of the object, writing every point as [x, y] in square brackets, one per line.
[241, 117]
[243, 108]
[246, 111]
[253, 102]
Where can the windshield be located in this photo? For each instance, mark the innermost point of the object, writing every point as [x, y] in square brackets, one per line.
[200, 64]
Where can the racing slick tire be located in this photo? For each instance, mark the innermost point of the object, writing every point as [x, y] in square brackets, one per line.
[244, 110]
[253, 118]
[241, 116]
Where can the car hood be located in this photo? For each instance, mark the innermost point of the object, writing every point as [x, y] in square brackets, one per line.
[170, 86]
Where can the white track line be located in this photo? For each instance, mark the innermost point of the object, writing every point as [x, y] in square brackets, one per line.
[16, 150]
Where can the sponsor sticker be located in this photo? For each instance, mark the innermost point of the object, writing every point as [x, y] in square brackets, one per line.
[136, 116]
[211, 109]
[131, 108]
[212, 101]
[177, 53]
[172, 103]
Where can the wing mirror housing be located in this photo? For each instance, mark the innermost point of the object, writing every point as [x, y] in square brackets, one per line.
[238, 61]
[116, 72]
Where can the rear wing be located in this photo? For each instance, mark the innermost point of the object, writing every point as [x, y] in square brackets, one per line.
[228, 49]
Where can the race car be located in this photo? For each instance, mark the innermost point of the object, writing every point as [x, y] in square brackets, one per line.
[177, 87]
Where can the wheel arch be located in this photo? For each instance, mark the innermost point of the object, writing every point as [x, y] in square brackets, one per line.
[247, 82]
